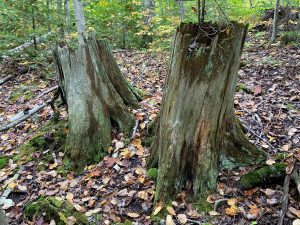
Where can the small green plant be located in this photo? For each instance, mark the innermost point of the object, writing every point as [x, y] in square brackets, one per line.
[3, 162]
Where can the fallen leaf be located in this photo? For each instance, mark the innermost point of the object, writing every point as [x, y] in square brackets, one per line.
[269, 192]
[231, 201]
[213, 213]
[157, 210]
[294, 211]
[22, 188]
[296, 222]
[182, 218]
[169, 220]
[71, 220]
[133, 215]
[231, 211]
[270, 162]
[119, 145]
[171, 211]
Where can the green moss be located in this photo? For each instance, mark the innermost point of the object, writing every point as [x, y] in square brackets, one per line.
[127, 222]
[202, 205]
[262, 175]
[65, 168]
[242, 87]
[3, 162]
[53, 208]
[49, 136]
[153, 173]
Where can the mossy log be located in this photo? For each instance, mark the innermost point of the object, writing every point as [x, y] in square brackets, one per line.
[262, 176]
[96, 95]
[197, 128]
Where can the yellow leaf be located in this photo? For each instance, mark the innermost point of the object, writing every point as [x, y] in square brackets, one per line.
[232, 211]
[171, 211]
[231, 201]
[52, 166]
[169, 220]
[182, 218]
[157, 210]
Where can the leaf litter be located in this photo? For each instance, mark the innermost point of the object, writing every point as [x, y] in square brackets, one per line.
[118, 188]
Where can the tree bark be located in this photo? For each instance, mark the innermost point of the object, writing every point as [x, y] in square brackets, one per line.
[198, 132]
[95, 93]
[80, 21]
[275, 22]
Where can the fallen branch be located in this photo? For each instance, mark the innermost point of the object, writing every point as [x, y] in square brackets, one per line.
[7, 78]
[28, 43]
[285, 199]
[48, 91]
[24, 115]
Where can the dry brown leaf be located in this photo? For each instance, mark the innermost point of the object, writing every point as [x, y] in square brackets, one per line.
[294, 211]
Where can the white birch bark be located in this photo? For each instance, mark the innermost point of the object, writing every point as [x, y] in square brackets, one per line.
[80, 21]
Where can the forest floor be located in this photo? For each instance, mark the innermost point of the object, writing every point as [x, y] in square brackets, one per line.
[119, 188]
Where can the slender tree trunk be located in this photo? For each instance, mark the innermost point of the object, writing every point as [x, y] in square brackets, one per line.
[181, 10]
[96, 94]
[60, 18]
[275, 22]
[67, 12]
[2, 217]
[80, 21]
[34, 27]
[197, 131]
[149, 8]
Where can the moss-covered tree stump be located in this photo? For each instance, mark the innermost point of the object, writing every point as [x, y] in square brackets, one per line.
[198, 131]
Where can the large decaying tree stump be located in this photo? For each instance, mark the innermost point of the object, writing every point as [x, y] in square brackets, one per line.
[97, 97]
[197, 131]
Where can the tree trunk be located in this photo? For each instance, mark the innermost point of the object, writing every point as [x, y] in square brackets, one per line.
[181, 10]
[2, 217]
[80, 21]
[275, 22]
[96, 94]
[198, 132]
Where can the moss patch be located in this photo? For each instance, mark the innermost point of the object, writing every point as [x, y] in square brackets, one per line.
[3, 162]
[127, 222]
[153, 173]
[202, 205]
[50, 136]
[263, 175]
[54, 208]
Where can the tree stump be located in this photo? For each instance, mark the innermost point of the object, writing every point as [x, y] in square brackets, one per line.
[197, 131]
[97, 96]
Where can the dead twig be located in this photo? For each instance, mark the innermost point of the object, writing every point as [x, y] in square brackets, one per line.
[285, 199]
[48, 91]
[135, 129]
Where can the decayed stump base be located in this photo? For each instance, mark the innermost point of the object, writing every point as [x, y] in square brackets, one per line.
[96, 94]
[197, 123]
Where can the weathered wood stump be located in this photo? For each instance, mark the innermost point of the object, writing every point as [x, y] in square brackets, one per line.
[197, 131]
[97, 96]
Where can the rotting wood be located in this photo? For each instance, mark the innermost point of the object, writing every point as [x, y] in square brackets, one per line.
[197, 128]
[97, 99]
